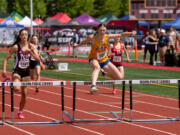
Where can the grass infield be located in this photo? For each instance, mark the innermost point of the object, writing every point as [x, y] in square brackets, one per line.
[82, 72]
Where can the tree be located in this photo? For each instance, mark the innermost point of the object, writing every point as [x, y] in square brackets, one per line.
[112, 6]
[75, 8]
[116, 7]
[3, 6]
[124, 7]
[39, 8]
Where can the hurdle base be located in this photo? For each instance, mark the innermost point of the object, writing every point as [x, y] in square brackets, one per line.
[1, 123]
[73, 120]
[152, 120]
[35, 123]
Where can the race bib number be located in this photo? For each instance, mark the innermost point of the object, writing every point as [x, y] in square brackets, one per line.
[117, 58]
[101, 55]
[23, 64]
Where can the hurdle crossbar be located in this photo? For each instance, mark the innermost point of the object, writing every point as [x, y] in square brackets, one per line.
[38, 83]
[116, 117]
[161, 81]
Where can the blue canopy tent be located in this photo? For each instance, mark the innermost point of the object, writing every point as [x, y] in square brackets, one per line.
[175, 24]
[9, 29]
[10, 23]
[141, 23]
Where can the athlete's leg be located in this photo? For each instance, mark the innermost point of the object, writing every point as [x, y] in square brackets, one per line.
[37, 70]
[95, 73]
[113, 71]
[16, 78]
[23, 94]
[121, 69]
[32, 74]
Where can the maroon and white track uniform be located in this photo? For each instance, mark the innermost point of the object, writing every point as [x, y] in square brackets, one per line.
[22, 60]
[117, 58]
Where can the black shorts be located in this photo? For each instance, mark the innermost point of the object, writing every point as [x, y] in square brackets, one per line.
[33, 64]
[21, 73]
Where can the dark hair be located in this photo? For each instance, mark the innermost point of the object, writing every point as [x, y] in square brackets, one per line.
[100, 25]
[18, 38]
[34, 35]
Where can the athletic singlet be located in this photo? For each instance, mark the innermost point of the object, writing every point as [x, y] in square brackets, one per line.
[38, 48]
[22, 59]
[117, 59]
[99, 51]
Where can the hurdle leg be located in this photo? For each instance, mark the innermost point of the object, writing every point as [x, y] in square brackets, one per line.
[12, 102]
[179, 97]
[131, 100]
[74, 100]
[62, 100]
[123, 98]
[3, 104]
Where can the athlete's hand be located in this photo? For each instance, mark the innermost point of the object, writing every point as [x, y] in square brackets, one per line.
[134, 33]
[75, 45]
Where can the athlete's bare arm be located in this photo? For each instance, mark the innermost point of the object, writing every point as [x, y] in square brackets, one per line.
[84, 42]
[121, 35]
[11, 51]
[34, 53]
[126, 53]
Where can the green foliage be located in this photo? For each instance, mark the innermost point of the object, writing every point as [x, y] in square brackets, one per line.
[75, 8]
[39, 8]
[3, 6]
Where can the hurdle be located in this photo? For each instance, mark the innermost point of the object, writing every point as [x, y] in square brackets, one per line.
[163, 81]
[36, 83]
[115, 118]
[2, 84]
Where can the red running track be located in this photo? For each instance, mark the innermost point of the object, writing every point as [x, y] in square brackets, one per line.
[46, 106]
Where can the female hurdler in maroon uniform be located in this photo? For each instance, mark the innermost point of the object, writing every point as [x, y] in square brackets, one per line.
[115, 52]
[23, 52]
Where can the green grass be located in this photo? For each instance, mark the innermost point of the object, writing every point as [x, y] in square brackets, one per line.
[82, 72]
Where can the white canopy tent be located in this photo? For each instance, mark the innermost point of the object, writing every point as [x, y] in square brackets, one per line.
[26, 21]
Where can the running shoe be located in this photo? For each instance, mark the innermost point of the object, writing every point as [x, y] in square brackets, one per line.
[102, 73]
[93, 89]
[114, 91]
[20, 115]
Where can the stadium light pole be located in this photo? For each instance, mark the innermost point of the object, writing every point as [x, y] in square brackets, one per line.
[31, 12]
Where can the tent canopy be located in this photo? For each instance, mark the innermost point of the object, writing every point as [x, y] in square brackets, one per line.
[38, 21]
[106, 18]
[10, 23]
[175, 24]
[26, 21]
[73, 22]
[1, 20]
[62, 17]
[141, 23]
[49, 23]
[16, 16]
[86, 20]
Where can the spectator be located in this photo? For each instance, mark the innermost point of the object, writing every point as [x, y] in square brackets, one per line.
[153, 41]
[145, 40]
[172, 37]
[75, 40]
[46, 45]
[163, 45]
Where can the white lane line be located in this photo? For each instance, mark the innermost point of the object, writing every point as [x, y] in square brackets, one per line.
[95, 102]
[47, 117]
[19, 129]
[154, 129]
[145, 127]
